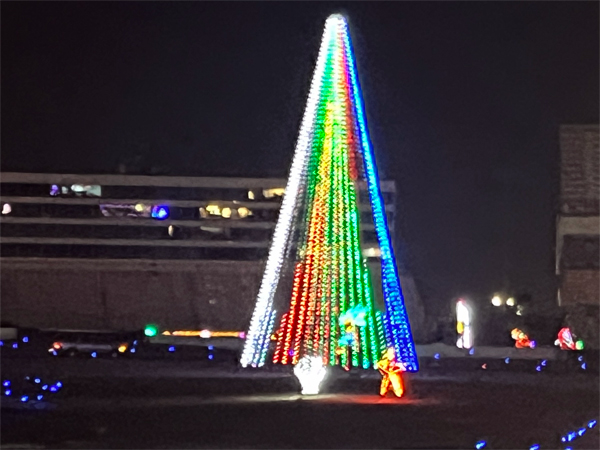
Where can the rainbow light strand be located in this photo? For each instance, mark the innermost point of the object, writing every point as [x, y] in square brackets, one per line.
[319, 228]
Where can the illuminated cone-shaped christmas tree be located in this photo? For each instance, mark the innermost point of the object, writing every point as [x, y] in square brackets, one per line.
[330, 303]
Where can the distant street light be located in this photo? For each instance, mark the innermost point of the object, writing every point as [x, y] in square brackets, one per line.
[511, 302]
[496, 301]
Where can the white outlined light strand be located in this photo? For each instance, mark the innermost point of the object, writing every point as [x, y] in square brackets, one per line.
[256, 344]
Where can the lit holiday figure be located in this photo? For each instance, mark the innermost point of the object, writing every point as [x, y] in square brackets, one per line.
[391, 371]
[521, 339]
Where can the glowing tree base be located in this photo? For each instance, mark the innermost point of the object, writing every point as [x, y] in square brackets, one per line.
[310, 371]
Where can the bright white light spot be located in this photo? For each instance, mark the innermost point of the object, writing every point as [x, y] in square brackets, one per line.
[250, 195]
[205, 334]
[372, 252]
[310, 371]
[171, 230]
[226, 212]
[275, 192]
[463, 325]
[213, 210]
[6, 209]
[496, 301]
[139, 207]
[243, 212]
[511, 302]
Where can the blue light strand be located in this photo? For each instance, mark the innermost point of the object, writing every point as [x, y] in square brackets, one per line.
[398, 330]
[569, 437]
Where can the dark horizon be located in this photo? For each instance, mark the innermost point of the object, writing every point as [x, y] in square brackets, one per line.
[464, 104]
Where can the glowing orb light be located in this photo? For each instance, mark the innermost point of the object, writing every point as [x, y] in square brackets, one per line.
[151, 330]
[310, 371]
[160, 212]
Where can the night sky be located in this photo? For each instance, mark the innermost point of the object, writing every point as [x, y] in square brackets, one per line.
[464, 101]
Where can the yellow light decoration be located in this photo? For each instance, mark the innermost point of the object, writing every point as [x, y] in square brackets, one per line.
[391, 370]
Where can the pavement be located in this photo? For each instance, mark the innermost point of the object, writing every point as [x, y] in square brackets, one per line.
[186, 404]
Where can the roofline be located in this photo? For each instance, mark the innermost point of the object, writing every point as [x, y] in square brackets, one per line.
[154, 180]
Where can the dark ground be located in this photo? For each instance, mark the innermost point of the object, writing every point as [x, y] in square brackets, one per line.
[189, 404]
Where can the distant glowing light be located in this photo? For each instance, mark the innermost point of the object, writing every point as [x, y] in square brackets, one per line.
[160, 212]
[534, 447]
[250, 195]
[205, 334]
[310, 371]
[510, 301]
[243, 212]
[54, 190]
[37, 381]
[7, 392]
[94, 354]
[226, 212]
[463, 325]
[6, 208]
[436, 356]
[151, 330]
[122, 348]
[40, 396]
[507, 360]
[25, 339]
[24, 398]
[481, 444]
[274, 192]
[592, 423]
[139, 207]
[6, 383]
[496, 301]
[579, 345]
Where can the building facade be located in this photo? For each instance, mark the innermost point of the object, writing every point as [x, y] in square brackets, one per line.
[578, 221]
[578, 231]
[120, 251]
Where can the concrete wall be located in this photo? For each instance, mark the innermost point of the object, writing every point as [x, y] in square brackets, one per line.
[127, 294]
